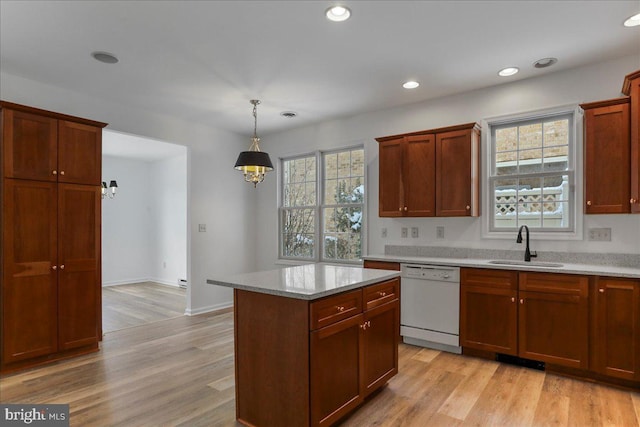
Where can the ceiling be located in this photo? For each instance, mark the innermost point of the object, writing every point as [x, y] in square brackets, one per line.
[203, 61]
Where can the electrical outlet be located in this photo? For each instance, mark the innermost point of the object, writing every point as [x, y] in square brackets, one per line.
[600, 234]
[403, 232]
[414, 232]
[440, 232]
[384, 233]
[202, 228]
[164, 264]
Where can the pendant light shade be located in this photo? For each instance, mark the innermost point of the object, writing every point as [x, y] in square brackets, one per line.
[254, 164]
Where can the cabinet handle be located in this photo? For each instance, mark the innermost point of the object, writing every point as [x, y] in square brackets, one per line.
[588, 202]
[61, 172]
[400, 208]
[601, 290]
[368, 323]
[54, 267]
[513, 299]
[55, 172]
[340, 308]
[468, 207]
[405, 208]
[632, 201]
[364, 326]
[382, 294]
[62, 267]
[521, 301]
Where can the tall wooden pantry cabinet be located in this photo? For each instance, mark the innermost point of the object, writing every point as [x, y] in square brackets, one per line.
[50, 289]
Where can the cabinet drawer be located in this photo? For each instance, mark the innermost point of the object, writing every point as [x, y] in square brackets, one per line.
[554, 283]
[335, 308]
[382, 265]
[503, 279]
[381, 293]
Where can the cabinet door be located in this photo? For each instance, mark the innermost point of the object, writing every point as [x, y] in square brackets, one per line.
[79, 153]
[635, 145]
[553, 328]
[29, 146]
[79, 259]
[488, 319]
[615, 348]
[456, 180]
[29, 288]
[336, 358]
[382, 265]
[390, 185]
[419, 176]
[380, 337]
[607, 161]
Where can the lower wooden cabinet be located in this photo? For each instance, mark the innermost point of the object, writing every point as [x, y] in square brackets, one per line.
[615, 343]
[301, 363]
[488, 310]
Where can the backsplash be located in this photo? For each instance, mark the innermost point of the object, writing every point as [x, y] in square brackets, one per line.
[616, 260]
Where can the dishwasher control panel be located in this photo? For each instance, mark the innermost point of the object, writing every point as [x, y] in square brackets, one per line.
[431, 272]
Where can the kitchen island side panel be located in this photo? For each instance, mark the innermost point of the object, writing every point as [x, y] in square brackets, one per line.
[271, 359]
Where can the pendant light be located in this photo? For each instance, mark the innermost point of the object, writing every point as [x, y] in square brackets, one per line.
[254, 163]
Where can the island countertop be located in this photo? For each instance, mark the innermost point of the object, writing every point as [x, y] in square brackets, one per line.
[308, 282]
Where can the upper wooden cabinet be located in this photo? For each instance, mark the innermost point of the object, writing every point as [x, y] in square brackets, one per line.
[46, 146]
[430, 173]
[607, 155]
[631, 87]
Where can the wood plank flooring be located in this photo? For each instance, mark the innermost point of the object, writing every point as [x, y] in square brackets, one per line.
[124, 306]
[179, 372]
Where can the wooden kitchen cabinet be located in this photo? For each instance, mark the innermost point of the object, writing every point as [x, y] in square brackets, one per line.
[607, 152]
[46, 146]
[51, 279]
[380, 340]
[382, 265]
[631, 87]
[430, 173]
[553, 319]
[488, 310]
[615, 316]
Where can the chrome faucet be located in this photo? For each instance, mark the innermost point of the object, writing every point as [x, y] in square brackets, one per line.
[527, 253]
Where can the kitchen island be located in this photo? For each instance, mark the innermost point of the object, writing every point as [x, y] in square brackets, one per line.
[312, 341]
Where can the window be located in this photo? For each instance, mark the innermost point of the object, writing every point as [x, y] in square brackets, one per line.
[321, 209]
[532, 174]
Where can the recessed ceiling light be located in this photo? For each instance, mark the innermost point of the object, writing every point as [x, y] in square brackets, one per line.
[289, 114]
[545, 62]
[410, 84]
[338, 13]
[509, 71]
[106, 57]
[633, 21]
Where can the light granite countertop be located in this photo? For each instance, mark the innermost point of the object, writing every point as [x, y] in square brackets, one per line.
[510, 264]
[309, 281]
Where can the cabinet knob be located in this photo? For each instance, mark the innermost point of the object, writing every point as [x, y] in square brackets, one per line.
[54, 267]
[61, 172]
[62, 267]
[382, 294]
[601, 290]
[513, 299]
[405, 208]
[588, 202]
[521, 301]
[54, 172]
[400, 209]
[468, 207]
[632, 200]
[340, 308]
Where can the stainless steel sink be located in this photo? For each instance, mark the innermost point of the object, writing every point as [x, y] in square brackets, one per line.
[526, 263]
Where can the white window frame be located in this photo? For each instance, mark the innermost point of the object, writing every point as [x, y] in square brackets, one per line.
[574, 172]
[319, 208]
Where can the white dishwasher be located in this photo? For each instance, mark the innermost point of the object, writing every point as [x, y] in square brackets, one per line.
[430, 306]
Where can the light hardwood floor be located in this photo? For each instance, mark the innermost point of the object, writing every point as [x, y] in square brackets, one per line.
[179, 372]
[124, 306]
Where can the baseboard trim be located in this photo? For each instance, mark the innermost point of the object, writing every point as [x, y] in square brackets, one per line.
[208, 309]
[140, 280]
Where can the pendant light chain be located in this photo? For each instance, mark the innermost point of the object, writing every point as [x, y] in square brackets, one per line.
[255, 140]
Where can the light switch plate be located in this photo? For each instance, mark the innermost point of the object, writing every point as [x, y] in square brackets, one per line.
[403, 232]
[440, 232]
[202, 228]
[414, 232]
[600, 234]
[384, 233]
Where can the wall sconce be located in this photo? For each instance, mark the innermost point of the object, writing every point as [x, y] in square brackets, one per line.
[111, 190]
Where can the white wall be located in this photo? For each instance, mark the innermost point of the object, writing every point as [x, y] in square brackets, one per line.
[168, 193]
[217, 195]
[591, 83]
[126, 222]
